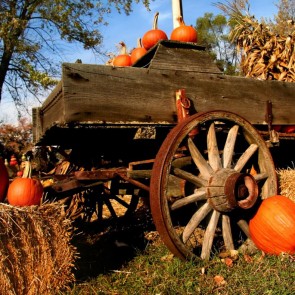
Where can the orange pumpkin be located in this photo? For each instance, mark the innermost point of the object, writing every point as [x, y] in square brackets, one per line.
[137, 52]
[184, 33]
[4, 180]
[153, 36]
[123, 59]
[25, 192]
[272, 228]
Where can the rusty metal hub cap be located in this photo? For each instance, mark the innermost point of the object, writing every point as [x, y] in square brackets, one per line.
[227, 189]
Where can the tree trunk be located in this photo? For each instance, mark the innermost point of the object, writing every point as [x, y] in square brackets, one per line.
[6, 57]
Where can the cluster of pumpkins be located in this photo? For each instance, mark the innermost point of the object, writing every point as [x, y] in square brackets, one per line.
[183, 33]
[23, 190]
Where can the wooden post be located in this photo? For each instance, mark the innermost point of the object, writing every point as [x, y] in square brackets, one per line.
[176, 11]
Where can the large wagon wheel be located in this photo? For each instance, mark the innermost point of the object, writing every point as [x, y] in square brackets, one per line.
[208, 178]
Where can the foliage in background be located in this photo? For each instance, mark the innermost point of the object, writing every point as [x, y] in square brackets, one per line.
[15, 140]
[31, 31]
[213, 33]
[286, 13]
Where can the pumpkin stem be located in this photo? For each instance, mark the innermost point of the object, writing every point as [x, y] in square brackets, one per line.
[139, 44]
[123, 49]
[180, 21]
[155, 24]
[27, 170]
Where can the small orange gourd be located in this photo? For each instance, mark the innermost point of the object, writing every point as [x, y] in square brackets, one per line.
[153, 36]
[137, 52]
[25, 191]
[123, 59]
[4, 180]
[272, 228]
[183, 32]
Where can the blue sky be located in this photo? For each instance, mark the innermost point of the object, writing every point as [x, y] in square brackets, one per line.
[130, 28]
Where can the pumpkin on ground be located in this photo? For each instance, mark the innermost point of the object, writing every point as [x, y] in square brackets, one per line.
[137, 52]
[272, 228]
[4, 180]
[153, 36]
[25, 191]
[183, 32]
[123, 59]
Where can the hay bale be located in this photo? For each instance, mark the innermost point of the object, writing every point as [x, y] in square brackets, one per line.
[287, 183]
[36, 256]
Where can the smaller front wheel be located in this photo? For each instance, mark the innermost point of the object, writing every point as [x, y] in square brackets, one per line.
[209, 176]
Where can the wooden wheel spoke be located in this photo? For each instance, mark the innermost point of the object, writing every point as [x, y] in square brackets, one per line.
[213, 151]
[198, 195]
[244, 227]
[195, 221]
[229, 146]
[198, 181]
[99, 210]
[120, 201]
[110, 207]
[199, 160]
[209, 235]
[227, 233]
[260, 176]
[245, 157]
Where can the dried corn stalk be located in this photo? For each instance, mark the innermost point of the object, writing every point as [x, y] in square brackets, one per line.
[36, 256]
[265, 56]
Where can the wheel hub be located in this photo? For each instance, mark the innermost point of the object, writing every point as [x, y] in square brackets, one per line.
[228, 189]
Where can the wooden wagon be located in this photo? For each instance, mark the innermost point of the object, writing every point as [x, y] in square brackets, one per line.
[198, 142]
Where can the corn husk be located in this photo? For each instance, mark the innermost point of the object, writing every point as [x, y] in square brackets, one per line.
[36, 256]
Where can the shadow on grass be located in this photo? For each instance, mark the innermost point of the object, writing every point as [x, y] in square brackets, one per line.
[107, 246]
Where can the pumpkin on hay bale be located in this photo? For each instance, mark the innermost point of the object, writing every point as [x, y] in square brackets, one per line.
[36, 254]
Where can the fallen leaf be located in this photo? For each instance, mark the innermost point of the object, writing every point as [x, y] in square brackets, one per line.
[248, 258]
[219, 280]
[228, 262]
[167, 257]
[262, 256]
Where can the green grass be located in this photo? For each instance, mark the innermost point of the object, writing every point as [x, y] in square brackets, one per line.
[147, 267]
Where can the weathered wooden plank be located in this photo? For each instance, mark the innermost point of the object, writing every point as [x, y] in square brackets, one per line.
[192, 60]
[102, 93]
[115, 94]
